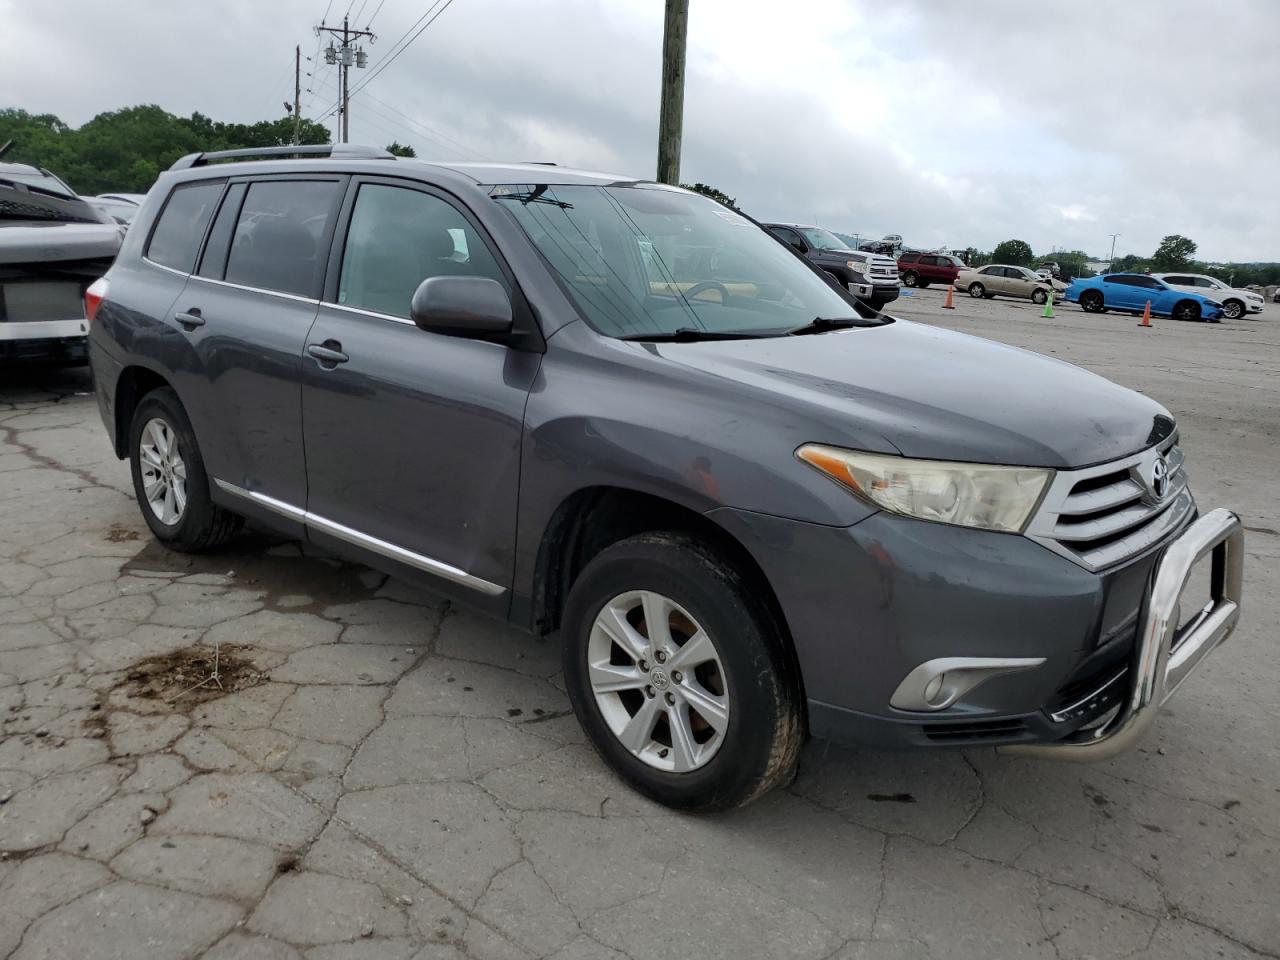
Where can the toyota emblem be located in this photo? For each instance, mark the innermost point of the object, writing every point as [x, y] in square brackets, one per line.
[1160, 478]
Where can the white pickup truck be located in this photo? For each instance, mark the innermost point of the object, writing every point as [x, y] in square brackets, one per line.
[52, 246]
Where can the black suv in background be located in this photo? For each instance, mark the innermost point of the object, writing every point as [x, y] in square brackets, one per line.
[871, 277]
[751, 506]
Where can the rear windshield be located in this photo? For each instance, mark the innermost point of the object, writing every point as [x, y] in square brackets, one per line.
[37, 198]
[646, 260]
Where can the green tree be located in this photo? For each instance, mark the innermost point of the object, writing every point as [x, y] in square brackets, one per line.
[1174, 253]
[1015, 252]
[1130, 263]
[125, 150]
[1072, 263]
[715, 194]
[397, 149]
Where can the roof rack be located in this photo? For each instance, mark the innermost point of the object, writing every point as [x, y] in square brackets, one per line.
[350, 150]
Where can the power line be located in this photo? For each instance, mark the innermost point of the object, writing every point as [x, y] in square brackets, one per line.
[374, 14]
[356, 18]
[398, 48]
[428, 131]
[408, 125]
[387, 61]
[395, 47]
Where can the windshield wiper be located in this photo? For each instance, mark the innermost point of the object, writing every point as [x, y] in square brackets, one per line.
[534, 196]
[827, 324]
[690, 335]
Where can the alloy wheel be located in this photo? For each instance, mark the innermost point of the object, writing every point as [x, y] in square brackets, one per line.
[164, 473]
[658, 682]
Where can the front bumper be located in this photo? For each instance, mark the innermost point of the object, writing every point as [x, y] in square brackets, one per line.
[1167, 654]
[876, 294]
[869, 604]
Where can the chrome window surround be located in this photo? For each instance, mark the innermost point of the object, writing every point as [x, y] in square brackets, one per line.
[373, 544]
[1131, 504]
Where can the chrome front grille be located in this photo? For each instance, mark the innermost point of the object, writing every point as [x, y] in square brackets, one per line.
[1101, 516]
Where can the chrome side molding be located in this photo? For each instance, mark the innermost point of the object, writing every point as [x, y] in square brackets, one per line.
[363, 540]
[1166, 655]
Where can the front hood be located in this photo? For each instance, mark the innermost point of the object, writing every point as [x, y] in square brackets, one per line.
[34, 242]
[940, 395]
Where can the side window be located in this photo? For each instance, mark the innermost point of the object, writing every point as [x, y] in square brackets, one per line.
[1150, 282]
[785, 235]
[399, 237]
[214, 259]
[908, 258]
[176, 238]
[279, 235]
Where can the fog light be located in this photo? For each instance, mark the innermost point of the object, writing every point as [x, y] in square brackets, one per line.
[933, 688]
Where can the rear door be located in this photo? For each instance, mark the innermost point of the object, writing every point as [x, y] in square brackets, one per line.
[246, 312]
[413, 438]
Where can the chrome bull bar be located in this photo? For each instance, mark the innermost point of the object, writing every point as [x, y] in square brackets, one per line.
[1166, 655]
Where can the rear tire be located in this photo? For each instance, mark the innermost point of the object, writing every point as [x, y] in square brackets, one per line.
[711, 738]
[1091, 301]
[169, 479]
[977, 290]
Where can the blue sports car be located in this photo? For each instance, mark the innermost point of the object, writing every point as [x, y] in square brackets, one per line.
[1132, 291]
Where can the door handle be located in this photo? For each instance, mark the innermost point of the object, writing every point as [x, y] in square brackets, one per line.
[190, 319]
[329, 352]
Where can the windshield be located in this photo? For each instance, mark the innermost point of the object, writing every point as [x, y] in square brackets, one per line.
[823, 239]
[1029, 274]
[647, 260]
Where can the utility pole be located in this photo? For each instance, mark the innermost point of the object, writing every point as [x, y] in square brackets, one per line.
[671, 116]
[1111, 261]
[344, 56]
[297, 93]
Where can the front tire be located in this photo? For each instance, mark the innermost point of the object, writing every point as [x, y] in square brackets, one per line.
[1186, 310]
[678, 674]
[1232, 310]
[910, 278]
[169, 479]
[1038, 297]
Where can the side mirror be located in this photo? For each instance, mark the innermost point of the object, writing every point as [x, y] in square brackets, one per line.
[461, 306]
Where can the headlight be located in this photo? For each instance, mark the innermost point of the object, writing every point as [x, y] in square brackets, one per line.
[858, 266]
[965, 494]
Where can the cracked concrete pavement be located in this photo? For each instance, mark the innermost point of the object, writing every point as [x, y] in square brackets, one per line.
[399, 778]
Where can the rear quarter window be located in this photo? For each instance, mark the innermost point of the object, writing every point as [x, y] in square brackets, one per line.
[175, 241]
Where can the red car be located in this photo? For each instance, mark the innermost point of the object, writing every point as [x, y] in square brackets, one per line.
[922, 269]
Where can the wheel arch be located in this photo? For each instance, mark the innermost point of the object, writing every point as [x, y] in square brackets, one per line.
[592, 518]
[134, 383]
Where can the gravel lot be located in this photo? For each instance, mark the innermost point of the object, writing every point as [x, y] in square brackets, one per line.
[389, 776]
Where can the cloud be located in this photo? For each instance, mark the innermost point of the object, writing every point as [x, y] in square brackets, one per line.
[950, 124]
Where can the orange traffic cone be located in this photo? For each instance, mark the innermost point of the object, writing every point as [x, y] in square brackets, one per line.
[1146, 315]
[950, 305]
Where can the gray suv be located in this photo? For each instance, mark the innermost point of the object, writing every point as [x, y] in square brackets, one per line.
[752, 508]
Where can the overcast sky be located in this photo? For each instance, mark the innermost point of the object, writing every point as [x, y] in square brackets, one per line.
[956, 124]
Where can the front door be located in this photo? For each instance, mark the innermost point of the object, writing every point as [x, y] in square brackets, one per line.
[413, 438]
